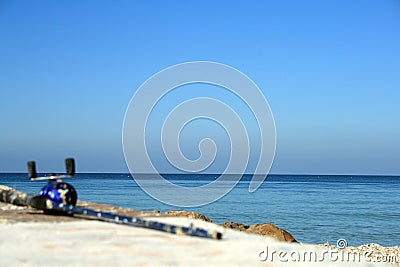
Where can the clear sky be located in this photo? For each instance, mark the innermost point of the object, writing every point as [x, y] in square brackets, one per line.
[330, 71]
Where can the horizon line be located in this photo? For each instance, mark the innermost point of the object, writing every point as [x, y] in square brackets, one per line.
[172, 173]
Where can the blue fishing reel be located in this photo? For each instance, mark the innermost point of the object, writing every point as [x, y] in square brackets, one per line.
[60, 192]
[56, 190]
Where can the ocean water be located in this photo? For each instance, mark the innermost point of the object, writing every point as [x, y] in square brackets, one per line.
[314, 209]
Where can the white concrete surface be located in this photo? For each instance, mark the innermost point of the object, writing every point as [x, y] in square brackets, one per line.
[93, 243]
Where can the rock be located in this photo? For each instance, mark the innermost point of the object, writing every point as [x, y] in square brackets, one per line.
[236, 226]
[269, 229]
[373, 252]
[191, 215]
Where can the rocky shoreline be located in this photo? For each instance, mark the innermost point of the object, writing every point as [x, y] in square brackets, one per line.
[266, 229]
[375, 252]
[13, 214]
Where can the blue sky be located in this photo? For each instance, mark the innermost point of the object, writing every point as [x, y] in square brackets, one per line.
[329, 70]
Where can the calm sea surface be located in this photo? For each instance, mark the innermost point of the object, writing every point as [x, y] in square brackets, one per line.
[314, 209]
